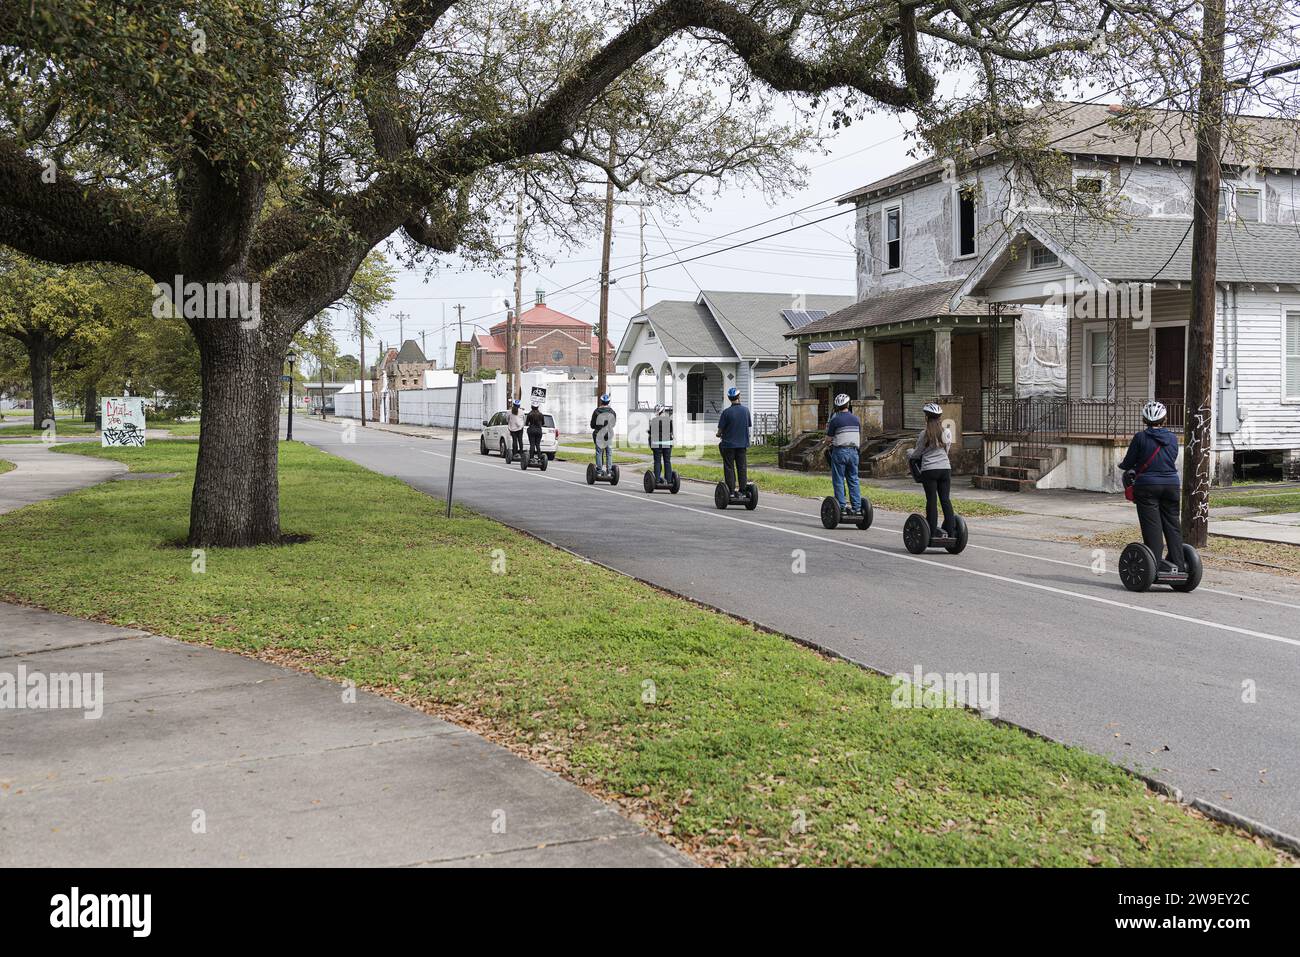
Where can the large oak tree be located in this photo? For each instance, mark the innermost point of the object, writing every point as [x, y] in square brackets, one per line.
[277, 142]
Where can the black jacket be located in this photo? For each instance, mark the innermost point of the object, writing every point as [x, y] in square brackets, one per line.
[1163, 469]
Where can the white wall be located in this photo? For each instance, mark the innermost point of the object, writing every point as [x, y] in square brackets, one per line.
[1268, 421]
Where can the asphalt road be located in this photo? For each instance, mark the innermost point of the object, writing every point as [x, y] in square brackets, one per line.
[1201, 691]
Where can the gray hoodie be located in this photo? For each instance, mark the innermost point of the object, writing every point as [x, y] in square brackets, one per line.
[932, 457]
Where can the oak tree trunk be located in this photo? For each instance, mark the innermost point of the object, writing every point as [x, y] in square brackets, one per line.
[235, 501]
[40, 356]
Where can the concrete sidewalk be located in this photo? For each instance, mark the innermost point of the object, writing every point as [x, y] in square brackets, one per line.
[202, 757]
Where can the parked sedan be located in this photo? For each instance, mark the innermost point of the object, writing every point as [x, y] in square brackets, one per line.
[496, 437]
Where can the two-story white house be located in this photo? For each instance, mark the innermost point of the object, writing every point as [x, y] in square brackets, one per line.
[1043, 330]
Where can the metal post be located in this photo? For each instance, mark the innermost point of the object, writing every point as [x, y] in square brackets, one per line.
[455, 434]
[289, 434]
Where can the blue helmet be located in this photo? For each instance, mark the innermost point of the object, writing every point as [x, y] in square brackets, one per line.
[604, 399]
[733, 393]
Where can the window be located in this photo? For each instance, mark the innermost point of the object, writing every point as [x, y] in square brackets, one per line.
[1040, 257]
[1089, 185]
[1291, 357]
[649, 332]
[965, 204]
[1246, 205]
[1096, 365]
[557, 355]
[695, 393]
[894, 238]
[1225, 201]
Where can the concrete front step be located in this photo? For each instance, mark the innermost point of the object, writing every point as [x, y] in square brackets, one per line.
[997, 483]
[1039, 462]
[1011, 472]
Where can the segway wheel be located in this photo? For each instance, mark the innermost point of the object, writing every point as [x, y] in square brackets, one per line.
[868, 515]
[720, 495]
[830, 512]
[675, 485]
[1137, 567]
[542, 462]
[751, 503]
[523, 462]
[648, 481]
[613, 475]
[959, 540]
[916, 534]
[591, 474]
[1192, 561]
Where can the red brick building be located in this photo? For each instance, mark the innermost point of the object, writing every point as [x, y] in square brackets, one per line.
[551, 340]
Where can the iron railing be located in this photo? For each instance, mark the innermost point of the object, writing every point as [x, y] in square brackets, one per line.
[1055, 417]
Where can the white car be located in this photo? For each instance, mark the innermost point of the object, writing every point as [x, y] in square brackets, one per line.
[496, 437]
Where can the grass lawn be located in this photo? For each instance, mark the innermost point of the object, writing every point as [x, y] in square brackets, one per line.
[5, 466]
[1265, 499]
[745, 735]
[61, 427]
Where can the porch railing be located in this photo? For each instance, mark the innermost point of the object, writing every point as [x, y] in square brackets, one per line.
[1048, 419]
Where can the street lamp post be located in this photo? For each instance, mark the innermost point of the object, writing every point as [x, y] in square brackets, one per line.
[290, 357]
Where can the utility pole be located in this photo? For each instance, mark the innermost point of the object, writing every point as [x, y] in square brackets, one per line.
[642, 212]
[424, 346]
[1198, 437]
[361, 334]
[518, 386]
[603, 326]
[401, 318]
[460, 323]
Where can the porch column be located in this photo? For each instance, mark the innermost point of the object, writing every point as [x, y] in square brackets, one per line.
[802, 389]
[943, 362]
[868, 407]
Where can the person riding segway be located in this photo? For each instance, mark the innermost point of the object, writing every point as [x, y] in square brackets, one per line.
[845, 432]
[733, 432]
[931, 467]
[602, 436]
[661, 446]
[534, 421]
[1150, 476]
[515, 426]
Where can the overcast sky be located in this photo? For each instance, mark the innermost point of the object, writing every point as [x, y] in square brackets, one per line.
[815, 258]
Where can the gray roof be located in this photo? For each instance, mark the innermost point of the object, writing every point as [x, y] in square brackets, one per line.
[895, 305]
[1101, 129]
[411, 352]
[1151, 250]
[687, 329]
[1148, 250]
[753, 321]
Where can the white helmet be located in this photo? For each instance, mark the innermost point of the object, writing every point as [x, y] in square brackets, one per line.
[1154, 412]
[932, 408]
[841, 400]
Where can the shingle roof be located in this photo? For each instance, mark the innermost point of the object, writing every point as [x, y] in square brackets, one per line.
[1149, 250]
[842, 361]
[753, 320]
[894, 305]
[1095, 128]
[410, 352]
[687, 329]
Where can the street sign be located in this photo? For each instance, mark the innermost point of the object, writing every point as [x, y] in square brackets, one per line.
[464, 358]
[539, 395]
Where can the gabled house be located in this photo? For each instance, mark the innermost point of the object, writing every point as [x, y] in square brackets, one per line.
[989, 275]
[687, 354]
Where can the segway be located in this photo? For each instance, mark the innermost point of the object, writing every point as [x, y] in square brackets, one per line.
[722, 496]
[595, 475]
[834, 516]
[1139, 570]
[917, 537]
[529, 457]
[650, 484]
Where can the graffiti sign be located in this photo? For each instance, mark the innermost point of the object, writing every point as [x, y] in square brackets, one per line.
[123, 422]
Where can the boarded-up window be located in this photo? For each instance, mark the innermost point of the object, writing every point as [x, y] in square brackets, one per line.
[1291, 374]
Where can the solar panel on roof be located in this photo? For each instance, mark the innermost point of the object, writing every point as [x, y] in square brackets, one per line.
[798, 318]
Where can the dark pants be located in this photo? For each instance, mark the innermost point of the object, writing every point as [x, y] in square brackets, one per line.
[735, 462]
[534, 441]
[938, 485]
[517, 442]
[1157, 507]
[663, 463]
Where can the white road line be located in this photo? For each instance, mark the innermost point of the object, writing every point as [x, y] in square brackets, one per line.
[911, 558]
